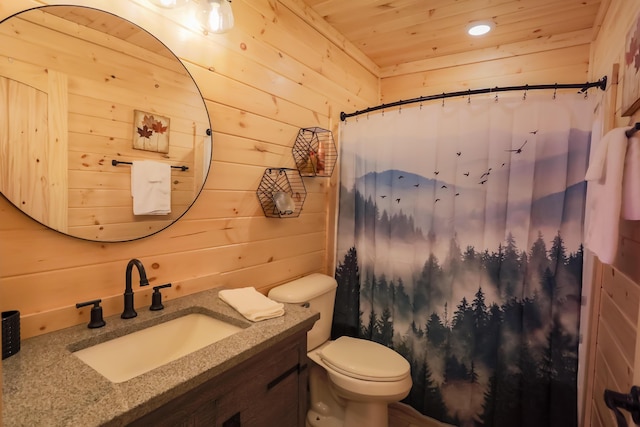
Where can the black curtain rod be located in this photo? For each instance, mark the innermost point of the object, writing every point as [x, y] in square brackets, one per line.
[601, 84]
[118, 162]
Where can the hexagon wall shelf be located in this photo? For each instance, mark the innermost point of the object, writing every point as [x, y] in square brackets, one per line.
[281, 193]
[314, 152]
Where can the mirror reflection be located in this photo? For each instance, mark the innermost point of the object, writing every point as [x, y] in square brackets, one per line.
[81, 88]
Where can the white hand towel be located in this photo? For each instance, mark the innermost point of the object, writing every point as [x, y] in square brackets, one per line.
[631, 181]
[251, 303]
[151, 188]
[605, 174]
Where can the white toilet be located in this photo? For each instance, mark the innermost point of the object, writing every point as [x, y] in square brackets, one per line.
[351, 381]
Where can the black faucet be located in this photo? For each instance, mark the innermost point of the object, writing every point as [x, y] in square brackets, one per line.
[129, 312]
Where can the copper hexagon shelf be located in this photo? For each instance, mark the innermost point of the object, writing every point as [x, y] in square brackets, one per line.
[281, 193]
[314, 152]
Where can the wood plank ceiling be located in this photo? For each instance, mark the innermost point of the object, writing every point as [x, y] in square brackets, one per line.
[394, 32]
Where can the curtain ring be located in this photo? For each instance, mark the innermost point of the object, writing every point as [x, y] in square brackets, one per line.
[469, 97]
[555, 90]
[443, 96]
[524, 96]
[400, 110]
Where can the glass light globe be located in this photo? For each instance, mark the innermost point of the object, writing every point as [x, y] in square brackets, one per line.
[216, 16]
[169, 4]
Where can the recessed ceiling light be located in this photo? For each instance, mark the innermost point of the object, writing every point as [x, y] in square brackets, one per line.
[479, 28]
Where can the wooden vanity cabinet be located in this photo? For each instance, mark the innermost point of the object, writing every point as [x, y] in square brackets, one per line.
[267, 390]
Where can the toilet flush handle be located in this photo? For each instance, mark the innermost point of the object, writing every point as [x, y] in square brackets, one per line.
[305, 304]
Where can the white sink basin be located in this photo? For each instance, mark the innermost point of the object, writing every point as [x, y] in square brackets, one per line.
[128, 356]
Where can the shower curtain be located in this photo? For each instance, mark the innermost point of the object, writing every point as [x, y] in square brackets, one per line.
[460, 246]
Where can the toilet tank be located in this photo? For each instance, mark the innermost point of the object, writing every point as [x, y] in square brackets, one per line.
[319, 290]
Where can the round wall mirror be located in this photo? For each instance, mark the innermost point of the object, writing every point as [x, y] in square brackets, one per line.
[104, 135]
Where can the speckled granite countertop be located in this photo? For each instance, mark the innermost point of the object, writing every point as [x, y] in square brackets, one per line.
[46, 385]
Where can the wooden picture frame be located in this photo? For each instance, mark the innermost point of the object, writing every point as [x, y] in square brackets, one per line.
[631, 72]
[150, 132]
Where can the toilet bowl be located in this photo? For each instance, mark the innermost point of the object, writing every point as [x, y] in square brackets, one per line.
[364, 370]
[364, 377]
[351, 380]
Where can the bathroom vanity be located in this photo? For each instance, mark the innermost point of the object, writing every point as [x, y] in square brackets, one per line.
[267, 390]
[255, 377]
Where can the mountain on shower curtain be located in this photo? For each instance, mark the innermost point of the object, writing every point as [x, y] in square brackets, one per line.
[460, 246]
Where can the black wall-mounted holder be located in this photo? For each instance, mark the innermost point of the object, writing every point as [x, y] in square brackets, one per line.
[314, 152]
[629, 402]
[281, 193]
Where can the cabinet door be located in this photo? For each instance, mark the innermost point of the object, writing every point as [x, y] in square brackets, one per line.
[267, 390]
[279, 406]
[267, 394]
[264, 404]
[192, 409]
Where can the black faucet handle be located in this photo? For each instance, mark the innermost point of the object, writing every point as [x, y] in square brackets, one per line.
[97, 321]
[156, 298]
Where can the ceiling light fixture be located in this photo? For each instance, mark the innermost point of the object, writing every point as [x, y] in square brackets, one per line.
[479, 28]
[215, 16]
[169, 4]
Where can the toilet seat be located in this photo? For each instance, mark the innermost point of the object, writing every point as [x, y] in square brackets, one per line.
[364, 360]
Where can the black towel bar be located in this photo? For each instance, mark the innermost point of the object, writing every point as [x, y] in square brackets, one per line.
[118, 162]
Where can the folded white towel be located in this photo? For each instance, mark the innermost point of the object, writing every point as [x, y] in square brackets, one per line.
[605, 174]
[151, 188]
[252, 304]
[631, 181]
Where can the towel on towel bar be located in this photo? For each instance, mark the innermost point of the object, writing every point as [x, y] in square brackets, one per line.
[251, 303]
[151, 188]
[605, 175]
[631, 181]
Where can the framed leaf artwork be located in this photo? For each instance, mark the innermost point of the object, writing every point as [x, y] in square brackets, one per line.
[150, 132]
[631, 77]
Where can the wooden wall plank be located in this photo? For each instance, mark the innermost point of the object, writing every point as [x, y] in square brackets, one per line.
[568, 65]
[623, 292]
[625, 333]
[604, 380]
[57, 146]
[621, 281]
[291, 35]
[259, 90]
[170, 267]
[620, 368]
[303, 11]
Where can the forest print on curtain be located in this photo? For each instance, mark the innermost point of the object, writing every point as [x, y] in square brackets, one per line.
[460, 246]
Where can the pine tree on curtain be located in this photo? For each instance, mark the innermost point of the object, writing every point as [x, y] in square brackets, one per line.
[460, 246]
